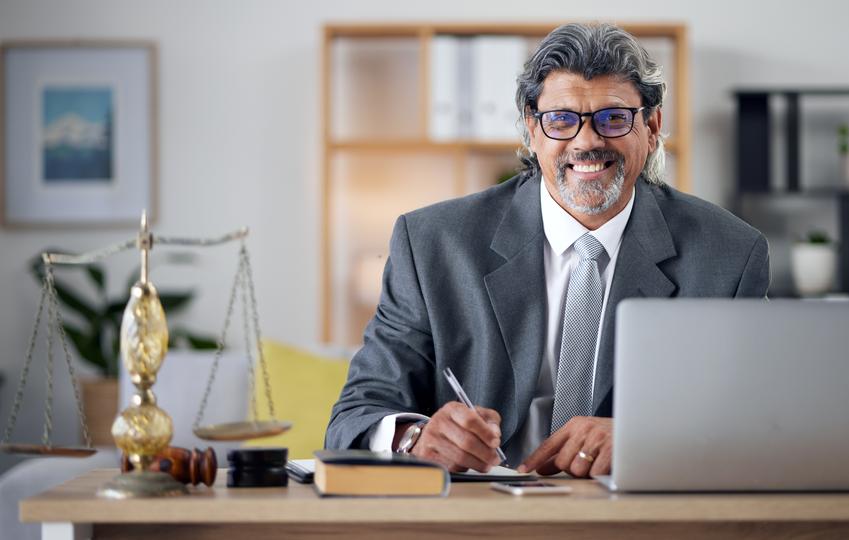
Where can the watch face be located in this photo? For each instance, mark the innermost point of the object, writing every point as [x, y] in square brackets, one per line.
[408, 440]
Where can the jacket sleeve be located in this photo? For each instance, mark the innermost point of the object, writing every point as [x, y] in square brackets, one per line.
[754, 281]
[394, 370]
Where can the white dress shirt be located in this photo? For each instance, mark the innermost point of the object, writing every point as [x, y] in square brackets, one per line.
[559, 258]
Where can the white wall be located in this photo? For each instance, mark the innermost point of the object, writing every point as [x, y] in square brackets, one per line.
[239, 126]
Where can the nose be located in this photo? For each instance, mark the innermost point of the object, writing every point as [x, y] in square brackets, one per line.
[587, 139]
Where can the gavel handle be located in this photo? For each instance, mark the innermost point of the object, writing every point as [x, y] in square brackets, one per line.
[187, 466]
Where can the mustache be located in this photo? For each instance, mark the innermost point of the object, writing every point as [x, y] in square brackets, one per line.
[591, 155]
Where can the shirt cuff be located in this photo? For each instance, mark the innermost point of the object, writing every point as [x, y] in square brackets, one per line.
[381, 438]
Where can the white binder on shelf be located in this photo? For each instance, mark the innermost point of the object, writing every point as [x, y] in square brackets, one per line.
[451, 88]
[444, 121]
[496, 62]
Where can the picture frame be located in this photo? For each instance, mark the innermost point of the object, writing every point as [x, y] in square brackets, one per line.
[78, 133]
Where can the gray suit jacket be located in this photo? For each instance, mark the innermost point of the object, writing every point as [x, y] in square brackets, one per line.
[464, 287]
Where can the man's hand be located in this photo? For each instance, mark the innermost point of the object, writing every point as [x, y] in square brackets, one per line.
[582, 448]
[460, 438]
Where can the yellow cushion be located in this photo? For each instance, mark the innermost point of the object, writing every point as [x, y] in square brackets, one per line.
[304, 388]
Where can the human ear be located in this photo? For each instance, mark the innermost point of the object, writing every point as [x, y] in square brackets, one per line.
[655, 123]
[530, 125]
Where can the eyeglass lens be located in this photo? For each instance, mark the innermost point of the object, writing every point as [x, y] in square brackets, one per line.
[613, 122]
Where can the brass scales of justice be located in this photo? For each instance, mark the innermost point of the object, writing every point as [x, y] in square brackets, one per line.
[143, 430]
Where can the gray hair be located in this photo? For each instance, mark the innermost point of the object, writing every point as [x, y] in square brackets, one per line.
[591, 50]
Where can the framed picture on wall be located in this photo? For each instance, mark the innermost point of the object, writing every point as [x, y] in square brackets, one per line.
[79, 133]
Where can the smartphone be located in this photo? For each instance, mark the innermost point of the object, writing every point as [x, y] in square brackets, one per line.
[302, 470]
[531, 487]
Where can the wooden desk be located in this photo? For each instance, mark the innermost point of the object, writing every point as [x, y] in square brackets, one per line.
[472, 510]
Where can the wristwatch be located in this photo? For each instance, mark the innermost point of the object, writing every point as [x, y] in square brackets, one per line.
[410, 437]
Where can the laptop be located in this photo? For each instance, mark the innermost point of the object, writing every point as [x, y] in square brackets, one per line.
[731, 395]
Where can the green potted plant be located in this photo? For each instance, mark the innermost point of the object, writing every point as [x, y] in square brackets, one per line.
[814, 264]
[92, 324]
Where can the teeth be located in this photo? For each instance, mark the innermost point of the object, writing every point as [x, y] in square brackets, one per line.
[588, 168]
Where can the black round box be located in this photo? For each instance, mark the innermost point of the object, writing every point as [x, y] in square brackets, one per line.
[257, 457]
[257, 467]
[257, 477]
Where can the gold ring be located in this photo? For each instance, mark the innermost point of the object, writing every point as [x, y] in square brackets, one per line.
[583, 455]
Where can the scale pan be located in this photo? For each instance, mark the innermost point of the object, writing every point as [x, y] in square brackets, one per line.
[40, 449]
[241, 431]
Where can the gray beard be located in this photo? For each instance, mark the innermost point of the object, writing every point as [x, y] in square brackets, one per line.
[608, 195]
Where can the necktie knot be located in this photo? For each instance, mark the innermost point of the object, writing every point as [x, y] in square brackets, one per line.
[588, 247]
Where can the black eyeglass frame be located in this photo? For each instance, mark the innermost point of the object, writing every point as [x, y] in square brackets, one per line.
[591, 115]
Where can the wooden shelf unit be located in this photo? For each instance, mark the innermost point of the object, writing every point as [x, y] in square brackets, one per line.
[391, 138]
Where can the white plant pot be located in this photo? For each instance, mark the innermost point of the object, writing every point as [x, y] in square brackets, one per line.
[814, 268]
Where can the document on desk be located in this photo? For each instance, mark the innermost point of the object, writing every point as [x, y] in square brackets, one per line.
[301, 470]
[496, 474]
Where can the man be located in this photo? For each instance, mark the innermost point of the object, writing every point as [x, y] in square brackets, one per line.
[515, 288]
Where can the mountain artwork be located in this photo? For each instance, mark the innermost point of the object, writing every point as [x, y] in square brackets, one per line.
[77, 140]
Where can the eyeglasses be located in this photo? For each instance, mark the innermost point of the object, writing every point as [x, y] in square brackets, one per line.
[610, 123]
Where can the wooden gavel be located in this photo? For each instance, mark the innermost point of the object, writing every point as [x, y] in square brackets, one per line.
[187, 466]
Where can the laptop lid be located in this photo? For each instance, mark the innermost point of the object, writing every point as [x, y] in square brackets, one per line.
[719, 394]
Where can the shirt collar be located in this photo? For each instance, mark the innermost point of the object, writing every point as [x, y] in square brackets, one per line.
[561, 229]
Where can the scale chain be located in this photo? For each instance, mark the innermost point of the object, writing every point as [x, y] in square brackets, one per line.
[243, 289]
[219, 347]
[255, 319]
[63, 339]
[19, 394]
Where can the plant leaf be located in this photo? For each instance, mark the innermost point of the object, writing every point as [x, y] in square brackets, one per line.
[174, 301]
[194, 341]
[116, 308]
[74, 302]
[95, 272]
[202, 342]
[87, 349]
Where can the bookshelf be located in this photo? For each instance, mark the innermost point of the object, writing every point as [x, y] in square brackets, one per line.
[789, 178]
[379, 158]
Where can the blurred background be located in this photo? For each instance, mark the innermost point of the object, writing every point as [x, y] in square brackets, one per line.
[253, 128]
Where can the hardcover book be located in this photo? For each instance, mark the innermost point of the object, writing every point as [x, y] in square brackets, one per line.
[377, 474]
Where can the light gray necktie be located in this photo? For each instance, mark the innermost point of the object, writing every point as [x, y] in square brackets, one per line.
[573, 395]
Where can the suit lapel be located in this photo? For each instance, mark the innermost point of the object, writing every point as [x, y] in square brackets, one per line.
[517, 293]
[646, 242]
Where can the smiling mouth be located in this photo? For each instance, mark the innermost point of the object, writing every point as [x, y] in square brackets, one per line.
[590, 167]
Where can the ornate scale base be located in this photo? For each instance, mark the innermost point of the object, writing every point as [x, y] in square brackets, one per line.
[142, 484]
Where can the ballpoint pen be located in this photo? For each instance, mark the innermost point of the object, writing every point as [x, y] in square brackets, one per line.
[461, 394]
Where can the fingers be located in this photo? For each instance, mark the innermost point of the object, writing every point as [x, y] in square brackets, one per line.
[469, 420]
[545, 452]
[567, 459]
[580, 463]
[459, 438]
[603, 462]
[548, 468]
[582, 447]
[455, 459]
[490, 415]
